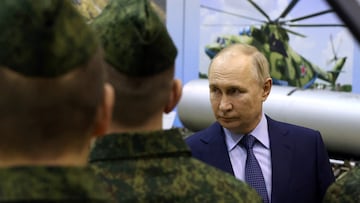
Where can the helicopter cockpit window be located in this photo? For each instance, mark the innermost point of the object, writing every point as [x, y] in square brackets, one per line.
[220, 40]
[245, 31]
[277, 46]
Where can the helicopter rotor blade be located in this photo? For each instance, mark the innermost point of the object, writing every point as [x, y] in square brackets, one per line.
[332, 46]
[338, 47]
[230, 13]
[309, 16]
[294, 33]
[288, 9]
[228, 25]
[315, 25]
[260, 10]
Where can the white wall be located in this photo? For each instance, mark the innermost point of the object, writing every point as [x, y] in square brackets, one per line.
[182, 20]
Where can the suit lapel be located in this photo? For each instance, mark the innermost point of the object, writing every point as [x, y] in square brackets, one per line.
[217, 149]
[281, 157]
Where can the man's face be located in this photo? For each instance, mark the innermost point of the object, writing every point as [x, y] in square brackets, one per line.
[236, 95]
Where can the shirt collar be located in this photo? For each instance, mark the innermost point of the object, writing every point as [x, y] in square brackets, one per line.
[260, 132]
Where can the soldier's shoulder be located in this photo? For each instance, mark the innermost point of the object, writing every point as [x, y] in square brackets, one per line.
[223, 185]
[345, 189]
[199, 182]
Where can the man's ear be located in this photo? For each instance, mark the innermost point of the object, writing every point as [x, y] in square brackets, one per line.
[267, 88]
[104, 114]
[175, 95]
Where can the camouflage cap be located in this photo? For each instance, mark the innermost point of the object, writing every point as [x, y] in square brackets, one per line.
[43, 38]
[135, 39]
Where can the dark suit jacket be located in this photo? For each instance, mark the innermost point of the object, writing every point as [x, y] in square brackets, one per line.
[301, 171]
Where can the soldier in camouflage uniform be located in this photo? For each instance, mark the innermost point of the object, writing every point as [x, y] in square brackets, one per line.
[345, 189]
[137, 159]
[54, 100]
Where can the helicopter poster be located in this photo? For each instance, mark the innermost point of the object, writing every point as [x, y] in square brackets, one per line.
[311, 44]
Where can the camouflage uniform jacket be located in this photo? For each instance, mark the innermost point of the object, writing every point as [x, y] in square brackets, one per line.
[158, 167]
[50, 184]
[345, 189]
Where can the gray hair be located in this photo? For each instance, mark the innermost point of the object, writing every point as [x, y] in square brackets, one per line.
[258, 59]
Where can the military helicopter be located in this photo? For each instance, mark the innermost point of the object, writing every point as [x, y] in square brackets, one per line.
[287, 67]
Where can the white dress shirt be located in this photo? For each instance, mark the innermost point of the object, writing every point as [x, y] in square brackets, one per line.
[261, 150]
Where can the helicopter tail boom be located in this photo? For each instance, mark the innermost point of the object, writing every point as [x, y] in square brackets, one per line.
[337, 69]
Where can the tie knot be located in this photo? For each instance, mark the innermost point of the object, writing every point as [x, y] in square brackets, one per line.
[248, 141]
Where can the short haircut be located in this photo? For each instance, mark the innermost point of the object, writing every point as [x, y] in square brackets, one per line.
[49, 115]
[137, 99]
[259, 60]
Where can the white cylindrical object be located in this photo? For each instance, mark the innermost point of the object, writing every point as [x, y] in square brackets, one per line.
[194, 108]
[335, 114]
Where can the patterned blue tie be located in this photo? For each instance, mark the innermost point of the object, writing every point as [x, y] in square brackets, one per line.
[253, 174]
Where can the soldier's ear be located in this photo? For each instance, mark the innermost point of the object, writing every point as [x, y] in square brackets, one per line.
[175, 95]
[104, 114]
[266, 88]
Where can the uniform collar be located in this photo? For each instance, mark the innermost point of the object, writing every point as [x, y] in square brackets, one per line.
[140, 144]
